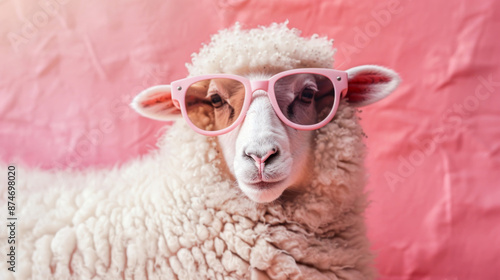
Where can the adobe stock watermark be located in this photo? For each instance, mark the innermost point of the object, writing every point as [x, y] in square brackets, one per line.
[119, 109]
[452, 119]
[380, 18]
[48, 9]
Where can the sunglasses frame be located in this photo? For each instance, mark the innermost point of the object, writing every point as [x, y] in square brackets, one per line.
[337, 77]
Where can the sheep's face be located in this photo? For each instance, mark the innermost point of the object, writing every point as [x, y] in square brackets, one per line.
[265, 155]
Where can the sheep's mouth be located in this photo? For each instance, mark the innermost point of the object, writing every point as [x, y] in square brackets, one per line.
[263, 185]
[264, 192]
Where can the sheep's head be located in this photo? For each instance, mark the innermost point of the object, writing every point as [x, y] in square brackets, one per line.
[265, 155]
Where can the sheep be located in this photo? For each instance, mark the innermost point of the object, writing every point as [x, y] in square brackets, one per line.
[208, 207]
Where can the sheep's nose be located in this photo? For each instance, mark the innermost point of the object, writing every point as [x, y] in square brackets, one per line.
[260, 157]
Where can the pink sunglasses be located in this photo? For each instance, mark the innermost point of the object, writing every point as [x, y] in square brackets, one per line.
[303, 99]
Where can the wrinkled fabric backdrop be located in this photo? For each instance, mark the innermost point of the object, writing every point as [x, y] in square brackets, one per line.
[69, 68]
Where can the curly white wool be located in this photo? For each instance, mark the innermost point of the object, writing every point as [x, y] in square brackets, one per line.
[240, 51]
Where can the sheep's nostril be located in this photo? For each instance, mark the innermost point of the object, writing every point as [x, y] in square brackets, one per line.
[275, 153]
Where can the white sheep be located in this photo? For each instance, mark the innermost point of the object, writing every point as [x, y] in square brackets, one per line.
[263, 201]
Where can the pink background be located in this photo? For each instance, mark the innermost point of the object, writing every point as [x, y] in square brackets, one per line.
[69, 68]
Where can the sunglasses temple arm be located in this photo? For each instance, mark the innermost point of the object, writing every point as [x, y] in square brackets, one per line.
[343, 93]
[176, 104]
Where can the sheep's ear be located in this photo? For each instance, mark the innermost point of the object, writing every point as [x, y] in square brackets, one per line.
[156, 103]
[369, 84]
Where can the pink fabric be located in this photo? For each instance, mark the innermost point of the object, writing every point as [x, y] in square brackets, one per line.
[68, 69]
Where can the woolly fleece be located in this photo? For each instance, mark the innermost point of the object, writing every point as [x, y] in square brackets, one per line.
[176, 213]
[266, 49]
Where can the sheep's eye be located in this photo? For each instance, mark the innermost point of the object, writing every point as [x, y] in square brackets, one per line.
[216, 100]
[307, 95]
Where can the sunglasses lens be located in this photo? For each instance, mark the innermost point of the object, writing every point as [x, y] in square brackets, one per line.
[214, 104]
[305, 99]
